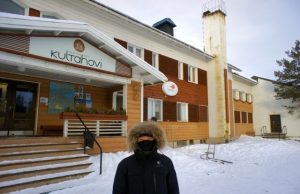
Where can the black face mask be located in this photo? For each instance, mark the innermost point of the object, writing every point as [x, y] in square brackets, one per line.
[147, 145]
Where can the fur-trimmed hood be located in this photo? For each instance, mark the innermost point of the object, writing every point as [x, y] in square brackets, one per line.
[146, 128]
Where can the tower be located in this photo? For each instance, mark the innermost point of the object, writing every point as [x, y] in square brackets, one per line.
[215, 44]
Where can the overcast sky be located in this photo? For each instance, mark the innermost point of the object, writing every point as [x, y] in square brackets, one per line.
[258, 31]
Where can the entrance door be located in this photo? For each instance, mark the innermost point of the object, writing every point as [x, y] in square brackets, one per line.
[17, 107]
[275, 123]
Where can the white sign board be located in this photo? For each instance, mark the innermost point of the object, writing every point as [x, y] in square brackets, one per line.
[72, 50]
[170, 88]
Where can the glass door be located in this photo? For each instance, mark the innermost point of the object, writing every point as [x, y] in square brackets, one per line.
[18, 108]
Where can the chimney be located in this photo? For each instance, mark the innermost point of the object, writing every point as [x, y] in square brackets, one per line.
[214, 28]
[166, 25]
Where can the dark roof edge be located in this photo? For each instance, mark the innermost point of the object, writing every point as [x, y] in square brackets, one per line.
[151, 28]
[257, 77]
[234, 67]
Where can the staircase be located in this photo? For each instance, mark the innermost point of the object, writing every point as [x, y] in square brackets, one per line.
[38, 161]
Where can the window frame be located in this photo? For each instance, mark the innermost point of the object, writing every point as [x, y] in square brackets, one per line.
[180, 70]
[155, 61]
[193, 78]
[135, 48]
[152, 107]
[114, 100]
[182, 105]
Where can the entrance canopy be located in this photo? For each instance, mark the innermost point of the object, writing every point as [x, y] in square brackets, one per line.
[93, 49]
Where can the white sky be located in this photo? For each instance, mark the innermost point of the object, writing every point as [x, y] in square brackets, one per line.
[258, 32]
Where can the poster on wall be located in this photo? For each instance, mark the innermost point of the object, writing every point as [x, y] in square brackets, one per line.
[88, 100]
[61, 96]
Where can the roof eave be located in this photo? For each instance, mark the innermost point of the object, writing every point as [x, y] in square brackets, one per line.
[17, 22]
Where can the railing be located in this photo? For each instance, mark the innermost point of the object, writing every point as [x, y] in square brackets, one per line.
[88, 135]
[279, 135]
[99, 127]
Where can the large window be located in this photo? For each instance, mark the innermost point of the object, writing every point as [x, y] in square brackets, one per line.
[182, 111]
[192, 74]
[155, 109]
[136, 50]
[180, 70]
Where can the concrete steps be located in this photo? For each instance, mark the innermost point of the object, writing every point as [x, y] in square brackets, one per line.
[38, 161]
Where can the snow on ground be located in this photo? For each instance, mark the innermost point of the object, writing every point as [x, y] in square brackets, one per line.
[259, 166]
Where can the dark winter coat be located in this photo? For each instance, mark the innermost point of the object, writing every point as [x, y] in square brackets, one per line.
[155, 175]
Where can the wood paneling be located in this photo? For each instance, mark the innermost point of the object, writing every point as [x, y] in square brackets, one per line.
[237, 116]
[121, 42]
[243, 128]
[169, 111]
[187, 92]
[244, 117]
[108, 144]
[202, 77]
[203, 113]
[193, 113]
[185, 130]
[34, 12]
[133, 103]
[185, 72]
[148, 56]
[168, 66]
[250, 117]
[101, 98]
[231, 111]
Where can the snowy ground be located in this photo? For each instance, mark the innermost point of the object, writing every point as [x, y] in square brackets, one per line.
[259, 166]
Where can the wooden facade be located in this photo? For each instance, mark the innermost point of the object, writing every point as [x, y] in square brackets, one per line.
[243, 118]
[101, 98]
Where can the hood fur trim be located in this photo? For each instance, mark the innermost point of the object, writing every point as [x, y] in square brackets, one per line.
[150, 128]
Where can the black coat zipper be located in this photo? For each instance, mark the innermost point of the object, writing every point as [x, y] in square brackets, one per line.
[154, 181]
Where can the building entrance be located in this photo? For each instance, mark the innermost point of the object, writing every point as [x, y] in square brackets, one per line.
[17, 107]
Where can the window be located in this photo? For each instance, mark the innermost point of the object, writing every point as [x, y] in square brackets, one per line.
[155, 60]
[9, 6]
[182, 111]
[155, 109]
[237, 117]
[242, 96]
[236, 94]
[250, 118]
[136, 50]
[244, 117]
[118, 100]
[192, 74]
[180, 70]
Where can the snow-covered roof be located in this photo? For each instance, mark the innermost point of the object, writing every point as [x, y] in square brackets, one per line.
[19, 24]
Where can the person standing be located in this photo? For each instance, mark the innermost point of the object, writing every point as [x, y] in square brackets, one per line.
[146, 171]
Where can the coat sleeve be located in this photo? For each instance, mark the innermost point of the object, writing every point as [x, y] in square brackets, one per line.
[172, 180]
[120, 181]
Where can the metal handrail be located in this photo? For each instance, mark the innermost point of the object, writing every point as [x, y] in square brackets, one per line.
[94, 139]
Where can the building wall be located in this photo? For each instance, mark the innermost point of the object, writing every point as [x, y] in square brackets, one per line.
[101, 98]
[243, 126]
[177, 131]
[133, 104]
[265, 105]
[115, 27]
